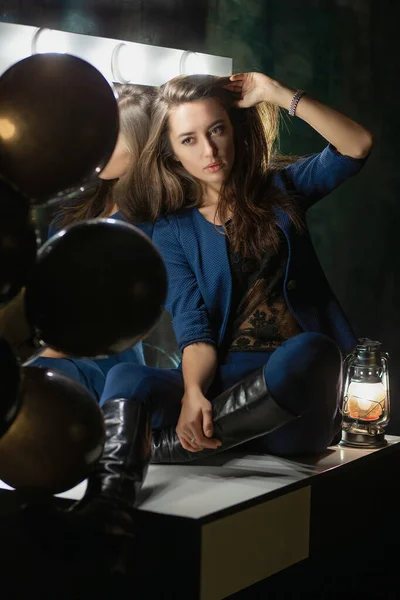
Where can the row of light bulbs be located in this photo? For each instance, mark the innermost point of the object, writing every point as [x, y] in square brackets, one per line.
[127, 60]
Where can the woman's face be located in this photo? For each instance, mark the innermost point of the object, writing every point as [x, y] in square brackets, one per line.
[118, 164]
[201, 137]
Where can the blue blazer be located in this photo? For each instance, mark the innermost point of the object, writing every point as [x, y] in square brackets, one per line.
[196, 258]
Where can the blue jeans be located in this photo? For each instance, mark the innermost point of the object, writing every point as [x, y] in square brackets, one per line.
[303, 376]
[91, 372]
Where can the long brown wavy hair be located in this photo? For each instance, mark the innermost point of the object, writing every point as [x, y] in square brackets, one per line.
[134, 114]
[248, 191]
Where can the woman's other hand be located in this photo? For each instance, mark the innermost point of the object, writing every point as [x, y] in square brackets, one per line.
[195, 425]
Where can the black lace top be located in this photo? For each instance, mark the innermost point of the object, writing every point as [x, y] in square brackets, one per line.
[260, 318]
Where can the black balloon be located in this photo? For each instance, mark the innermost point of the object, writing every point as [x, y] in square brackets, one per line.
[58, 124]
[56, 437]
[9, 386]
[15, 329]
[97, 288]
[17, 242]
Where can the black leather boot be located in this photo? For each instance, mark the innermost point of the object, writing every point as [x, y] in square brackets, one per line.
[119, 474]
[242, 413]
[104, 517]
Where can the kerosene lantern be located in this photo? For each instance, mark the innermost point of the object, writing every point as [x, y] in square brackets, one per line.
[366, 396]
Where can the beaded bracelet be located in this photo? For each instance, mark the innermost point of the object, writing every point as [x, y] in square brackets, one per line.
[295, 101]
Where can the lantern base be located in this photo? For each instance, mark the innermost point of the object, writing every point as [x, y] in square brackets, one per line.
[362, 440]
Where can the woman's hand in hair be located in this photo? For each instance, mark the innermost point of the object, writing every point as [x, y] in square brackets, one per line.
[253, 88]
[195, 426]
[348, 137]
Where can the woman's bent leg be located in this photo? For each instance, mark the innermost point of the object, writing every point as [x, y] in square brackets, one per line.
[304, 377]
[161, 390]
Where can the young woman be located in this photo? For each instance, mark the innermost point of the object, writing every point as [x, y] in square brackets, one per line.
[261, 332]
[112, 197]
[250, 303]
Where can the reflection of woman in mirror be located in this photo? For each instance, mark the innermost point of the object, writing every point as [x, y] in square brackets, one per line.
[112, 197]
[249, 300]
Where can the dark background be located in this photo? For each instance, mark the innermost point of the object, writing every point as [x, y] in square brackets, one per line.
[345, 53]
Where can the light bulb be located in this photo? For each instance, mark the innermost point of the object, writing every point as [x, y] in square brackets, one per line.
[366, 400]
[49, 40]
[7, 129]
[192, 63]
[128, 63]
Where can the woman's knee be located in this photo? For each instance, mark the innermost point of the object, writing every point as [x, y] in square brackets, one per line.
[308, 354]
[124, 380]
[147, 385]
[304, 371]
[310, 347]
